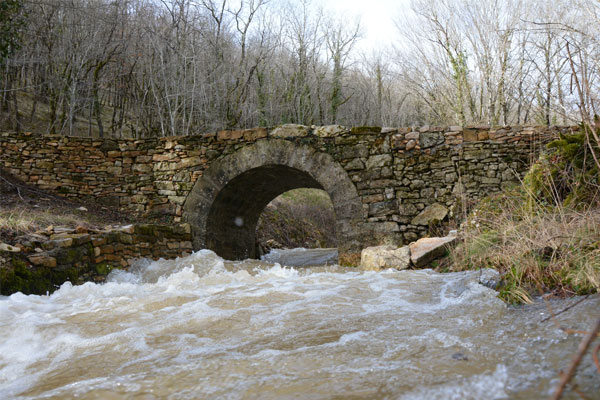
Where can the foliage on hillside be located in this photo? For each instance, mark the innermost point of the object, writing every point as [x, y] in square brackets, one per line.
[178, 67]
[544, 235]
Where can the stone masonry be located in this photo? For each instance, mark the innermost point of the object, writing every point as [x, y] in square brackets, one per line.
[40, 262]
[379, 179]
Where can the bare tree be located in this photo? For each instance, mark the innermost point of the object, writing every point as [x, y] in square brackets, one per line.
[340, 37]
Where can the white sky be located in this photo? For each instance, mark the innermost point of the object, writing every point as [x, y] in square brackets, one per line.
[376, 18]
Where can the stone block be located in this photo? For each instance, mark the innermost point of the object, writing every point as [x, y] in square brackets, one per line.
[177, 199]
[407, 209]
[230, 135]
[289, 130]
[98, 241]
[386, 256]
[417, 184]
[188, 162]
[379, 161]
[430, 139]
[381, 227]
[254, 134]
[164, 157]
[66, 242]
[139, 199]
[372, 198]
[360, 130]
[470, 135]
[412, 136]
[330, 130]
[354, 151]
[143, 168]
[143, 159]
[382, 208]
[431, 214]
[125, 238]
[397, 141]
[490, 181]
[425, 250]
[8, 248]
[354, 165]
[77, 239]
[107, 249]
[42, 260]
[163, 209]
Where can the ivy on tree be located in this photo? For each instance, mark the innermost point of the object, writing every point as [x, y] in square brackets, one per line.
[11, 21]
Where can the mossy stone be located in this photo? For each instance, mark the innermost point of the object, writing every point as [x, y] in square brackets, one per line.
[103, 269]
[366, 129]
[146, 229]
[27, 280]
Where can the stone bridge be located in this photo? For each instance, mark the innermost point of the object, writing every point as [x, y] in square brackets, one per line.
[379, 180]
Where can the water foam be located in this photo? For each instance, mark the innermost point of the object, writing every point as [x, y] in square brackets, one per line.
[178, 327]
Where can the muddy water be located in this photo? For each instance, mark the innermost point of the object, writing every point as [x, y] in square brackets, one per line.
[199, 327]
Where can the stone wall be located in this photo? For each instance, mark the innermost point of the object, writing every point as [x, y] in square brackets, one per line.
[397, 172]
[40, 262]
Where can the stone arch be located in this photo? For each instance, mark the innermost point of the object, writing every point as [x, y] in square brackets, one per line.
[224, 205]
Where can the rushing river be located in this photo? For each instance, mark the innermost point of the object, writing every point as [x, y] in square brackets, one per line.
[199, 327]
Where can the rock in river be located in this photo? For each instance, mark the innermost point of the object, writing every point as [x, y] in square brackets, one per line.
[386, 256]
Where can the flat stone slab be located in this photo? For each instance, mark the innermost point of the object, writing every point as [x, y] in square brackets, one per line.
[425, 250]
[289, 130]
[387, 256]
[434, 213]
[8, 248]
[330, 130]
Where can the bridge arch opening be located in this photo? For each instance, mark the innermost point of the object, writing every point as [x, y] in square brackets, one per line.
[226, 202]
[233, 217]
[297, 218]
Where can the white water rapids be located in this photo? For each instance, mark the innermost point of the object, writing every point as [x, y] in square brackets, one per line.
[200, 327]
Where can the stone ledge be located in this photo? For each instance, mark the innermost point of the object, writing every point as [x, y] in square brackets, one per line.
[47, 259]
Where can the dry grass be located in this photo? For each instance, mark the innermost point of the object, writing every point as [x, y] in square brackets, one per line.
[20, 221]
[544, 235]
[25, 209]
[536, 249]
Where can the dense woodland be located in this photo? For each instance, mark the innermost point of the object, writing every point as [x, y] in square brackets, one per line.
[132, 68]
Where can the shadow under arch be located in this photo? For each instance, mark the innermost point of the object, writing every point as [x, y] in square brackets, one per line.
[225, 203]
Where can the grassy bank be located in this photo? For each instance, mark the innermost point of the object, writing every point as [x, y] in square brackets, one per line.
[540, 250]
[544, 235]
